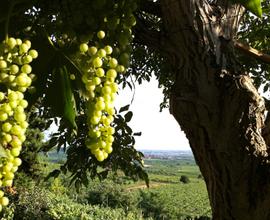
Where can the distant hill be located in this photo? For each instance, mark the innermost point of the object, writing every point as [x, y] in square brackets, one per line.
[167, 154]
[55, 156]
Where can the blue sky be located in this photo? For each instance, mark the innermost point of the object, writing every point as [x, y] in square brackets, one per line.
[159, 130]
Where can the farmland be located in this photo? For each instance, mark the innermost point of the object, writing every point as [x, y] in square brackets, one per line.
[118, 197]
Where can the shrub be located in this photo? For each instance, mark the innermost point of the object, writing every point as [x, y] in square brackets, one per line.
[184, 179]
[112, 195]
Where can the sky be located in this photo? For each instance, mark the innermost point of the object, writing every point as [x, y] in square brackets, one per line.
[160, 130]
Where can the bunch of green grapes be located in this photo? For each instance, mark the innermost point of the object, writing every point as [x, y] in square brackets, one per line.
[15, 79]
[103, 55]
[99, 73]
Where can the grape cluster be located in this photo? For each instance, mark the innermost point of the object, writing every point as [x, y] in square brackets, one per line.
[99, 73]
[15, 79]
[104, 52]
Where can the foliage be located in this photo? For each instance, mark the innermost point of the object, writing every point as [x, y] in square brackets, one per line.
[34, 144]
[112, 195]
[56, 29]
[161, 203]
[128, 159]
[35, 202]
[254, 32]
[184, 179]
[57, 43]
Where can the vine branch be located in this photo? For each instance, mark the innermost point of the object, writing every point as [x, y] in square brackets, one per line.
[12, 4]
[151, 7]
[252, 52]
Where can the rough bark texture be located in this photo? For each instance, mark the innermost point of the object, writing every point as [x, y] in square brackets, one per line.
[218, 107]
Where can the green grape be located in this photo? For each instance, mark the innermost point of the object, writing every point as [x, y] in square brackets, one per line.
[15, 151]
[3, 64]
[84, 48]
[9, 175]
[101, 53]
[33, 54]
[101, 34]
[100, 72]
[26, 68]
[3, 116]
[113, 63]
[92, 51]
[27, 59]
[97, 62]
[99, 155]
[24, 48]
[6, 127]
[111, 73]
[17, 162]
[14, 69]
[72, 77]
[15, 74]
[108, 49]
[11, 42]
[4, 201]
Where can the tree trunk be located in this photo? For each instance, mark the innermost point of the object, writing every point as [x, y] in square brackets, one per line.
[217, 106]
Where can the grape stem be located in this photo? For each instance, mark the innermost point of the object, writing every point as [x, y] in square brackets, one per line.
[12, 4]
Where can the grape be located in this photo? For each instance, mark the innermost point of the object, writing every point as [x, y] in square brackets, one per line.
[4, 201]
[14, 69]
[101, 34]
[97, 62]
[92, 51]
[101, 53]
[17, 162]
[111, 73]
[72, 77]
[6, 127]
[26, 68]
[84, 48]
[15, 151]
[3, 64]
[113, 63]
[100, 72]
[27, 59]
[33, 54]
[11, 42]
[108, 49]
[24, 48]
[15, 75]
[3, 116]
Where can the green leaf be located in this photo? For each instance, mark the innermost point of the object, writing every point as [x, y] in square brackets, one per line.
[128, 116]
[69, 101]
[253, 6]
[60, 97]
[124, 108]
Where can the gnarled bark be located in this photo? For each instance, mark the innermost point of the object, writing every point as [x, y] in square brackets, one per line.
[217, 106]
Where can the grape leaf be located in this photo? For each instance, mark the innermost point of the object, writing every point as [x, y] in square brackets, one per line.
[253, 6]
[69, 101]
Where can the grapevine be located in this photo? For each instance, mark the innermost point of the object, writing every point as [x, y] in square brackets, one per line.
[15, 79]
[102, 57]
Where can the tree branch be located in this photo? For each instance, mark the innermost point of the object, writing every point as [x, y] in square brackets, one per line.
[146, 36]
[252, 52]
[151, 7]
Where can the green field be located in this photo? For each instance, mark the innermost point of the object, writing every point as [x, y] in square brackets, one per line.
[118, 197]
